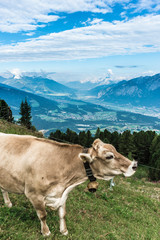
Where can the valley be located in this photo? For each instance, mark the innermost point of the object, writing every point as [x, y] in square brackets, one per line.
[55, 106]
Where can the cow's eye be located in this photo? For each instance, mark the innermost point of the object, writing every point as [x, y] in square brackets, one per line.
[109, 157]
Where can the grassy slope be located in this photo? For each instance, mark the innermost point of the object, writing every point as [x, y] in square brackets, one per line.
[7, 127]
[130, 212]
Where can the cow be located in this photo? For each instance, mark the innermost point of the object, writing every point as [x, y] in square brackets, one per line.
[46, 171]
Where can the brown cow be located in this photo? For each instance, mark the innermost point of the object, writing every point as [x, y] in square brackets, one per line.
[46, 171]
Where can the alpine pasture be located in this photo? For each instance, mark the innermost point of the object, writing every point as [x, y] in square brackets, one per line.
[130, 211]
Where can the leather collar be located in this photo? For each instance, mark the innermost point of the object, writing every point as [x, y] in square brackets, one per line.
[89, 173]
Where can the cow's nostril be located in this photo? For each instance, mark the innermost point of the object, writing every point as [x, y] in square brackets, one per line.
[134, 168]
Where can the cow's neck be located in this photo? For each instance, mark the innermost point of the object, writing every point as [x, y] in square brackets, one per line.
[92, 185]
[87, 167]
[77, 171]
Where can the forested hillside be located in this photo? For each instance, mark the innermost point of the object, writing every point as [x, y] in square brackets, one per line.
[141, 146]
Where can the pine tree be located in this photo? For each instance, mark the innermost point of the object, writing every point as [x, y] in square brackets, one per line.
[22, 113]
[83, 138]
[5, 111]
[142, 141]
[57, 135]
[126, 145]
[71, 136]
[89, 140]
[114, 139]
[154, 173]
[25, 112]
[107, 136]
[97, 134]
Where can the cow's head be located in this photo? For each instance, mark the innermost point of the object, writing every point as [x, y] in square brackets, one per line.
[106, 162]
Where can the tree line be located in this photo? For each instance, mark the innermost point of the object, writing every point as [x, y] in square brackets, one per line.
[143, 146]
[25, 113]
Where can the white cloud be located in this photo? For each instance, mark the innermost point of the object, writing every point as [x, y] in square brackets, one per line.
[91, 78]
[96, 21]
[150, 5]
[16, 73]
[138, 35]
[109, 72]
[92, 22]
[100, 79]
[29, 33]
[25, 15]
[149, 73]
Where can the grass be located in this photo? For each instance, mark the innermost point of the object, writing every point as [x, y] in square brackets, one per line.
[11, 128]
[130, 212]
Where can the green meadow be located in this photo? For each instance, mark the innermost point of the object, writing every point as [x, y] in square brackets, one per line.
[131, 211]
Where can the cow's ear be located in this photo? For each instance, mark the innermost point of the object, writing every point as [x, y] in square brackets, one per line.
[85, 157]
[97, 144]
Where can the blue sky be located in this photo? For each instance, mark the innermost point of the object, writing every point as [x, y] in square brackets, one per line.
[81, 40]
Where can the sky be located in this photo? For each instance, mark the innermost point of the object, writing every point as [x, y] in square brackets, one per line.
[80, 40]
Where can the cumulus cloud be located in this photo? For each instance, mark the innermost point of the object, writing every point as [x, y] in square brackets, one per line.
[27, 15]
[92, 22]
[92, 79]
[150, 5]
[24, 15]
[16, 73]
[138, 35]
[103, 79]
[96, 21]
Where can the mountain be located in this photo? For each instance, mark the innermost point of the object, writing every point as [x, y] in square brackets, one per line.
[40, 86]
[49, 115]
[99, 90]
[2, 79]
[14, 97]
[141, 91]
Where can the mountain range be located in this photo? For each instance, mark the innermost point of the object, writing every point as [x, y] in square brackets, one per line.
[141, 91]
[55, 106]
[49, 115]
[40, 86]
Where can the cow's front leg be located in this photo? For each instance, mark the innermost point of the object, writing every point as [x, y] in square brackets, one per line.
[6, 198]
[62, 213]
[39, 205]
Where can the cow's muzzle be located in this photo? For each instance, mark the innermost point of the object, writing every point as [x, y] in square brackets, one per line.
[135, 165]
[131, 169]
